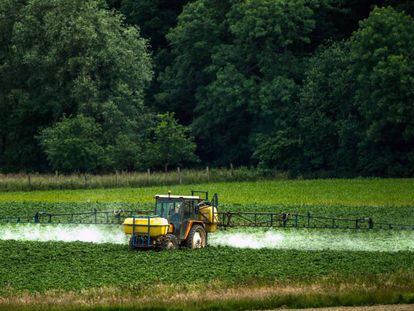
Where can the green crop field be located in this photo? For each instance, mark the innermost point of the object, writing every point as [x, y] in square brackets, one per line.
[295, 275]
[351, 192]
[33, 267]
[53, 265]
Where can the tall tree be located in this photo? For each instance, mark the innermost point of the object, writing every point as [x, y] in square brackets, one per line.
[329, 119]
[65, 57]
[236, 69]
[199, 31]
[355, 108]
[154, 18]
[74, 145]
[382, 52]
[169, 144]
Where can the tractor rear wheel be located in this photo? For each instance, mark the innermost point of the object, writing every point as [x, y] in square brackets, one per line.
[197, 238]
[169, 242]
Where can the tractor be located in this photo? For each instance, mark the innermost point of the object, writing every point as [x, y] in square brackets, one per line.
[178, 221]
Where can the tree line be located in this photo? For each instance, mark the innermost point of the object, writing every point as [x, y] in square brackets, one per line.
[303, 86]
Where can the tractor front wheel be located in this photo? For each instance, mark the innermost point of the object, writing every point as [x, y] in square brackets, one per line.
[169, 242]
[197, 238]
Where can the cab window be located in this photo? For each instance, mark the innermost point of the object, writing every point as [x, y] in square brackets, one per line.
[167, 208]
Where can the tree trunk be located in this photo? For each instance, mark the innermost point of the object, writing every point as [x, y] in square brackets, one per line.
[166, 167]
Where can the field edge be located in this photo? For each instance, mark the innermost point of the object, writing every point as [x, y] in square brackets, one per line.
[326, 293]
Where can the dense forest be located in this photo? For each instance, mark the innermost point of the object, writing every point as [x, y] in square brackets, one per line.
[301, 86]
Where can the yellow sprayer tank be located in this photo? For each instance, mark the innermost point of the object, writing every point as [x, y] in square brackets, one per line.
[209, 214]
[157, 226]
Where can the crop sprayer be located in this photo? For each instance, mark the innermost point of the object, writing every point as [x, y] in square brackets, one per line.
[186, 221]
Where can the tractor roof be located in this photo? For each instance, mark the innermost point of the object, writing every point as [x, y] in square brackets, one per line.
[170, 196]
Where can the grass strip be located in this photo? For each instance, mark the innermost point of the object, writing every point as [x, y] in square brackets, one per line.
[325, 292]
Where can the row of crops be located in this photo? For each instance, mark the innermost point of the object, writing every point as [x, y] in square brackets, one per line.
[37, 266]
[327, 192]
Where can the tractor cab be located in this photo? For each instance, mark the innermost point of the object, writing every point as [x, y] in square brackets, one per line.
[174, 207]
[178, 220]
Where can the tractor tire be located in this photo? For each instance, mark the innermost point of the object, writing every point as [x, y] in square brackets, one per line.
[169, 242]
[197, 238]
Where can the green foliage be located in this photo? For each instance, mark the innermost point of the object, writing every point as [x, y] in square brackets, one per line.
[154, 19]
[113, 265]
[124, 153]
[199, 29]
[308, 87]
[256, 82]
[279, 150]
[74, 144]
[169, 144]
[329, 120]
[406, 6]
[239, 63]
[383, 64]
[65, 58]
[355, 115]
[321, 192]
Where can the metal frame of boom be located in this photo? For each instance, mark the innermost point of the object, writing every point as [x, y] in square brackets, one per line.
[227, 219]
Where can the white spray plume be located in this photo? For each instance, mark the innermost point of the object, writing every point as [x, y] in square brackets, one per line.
[303, 239]
[268, 239]
[64, 233]
[373, 241]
